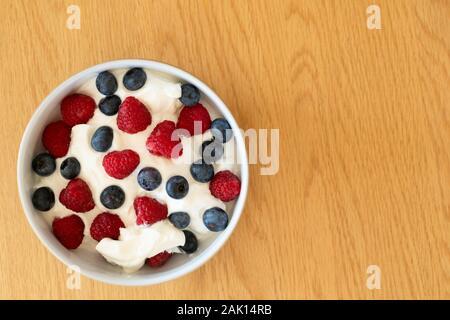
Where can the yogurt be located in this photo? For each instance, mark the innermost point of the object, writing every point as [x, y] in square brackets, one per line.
[161, 96]
[137, 243]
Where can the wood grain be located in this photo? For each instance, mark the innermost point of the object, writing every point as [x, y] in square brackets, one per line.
[364, 121]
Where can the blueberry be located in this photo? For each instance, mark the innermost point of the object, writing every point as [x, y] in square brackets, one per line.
[149, 178]
[211, 151]
[44, 164]
[180, 219]
[109, 105]
[215, 219]
[112, 197]
[190, 95]
[43, 199]
[177, 187]
[106, 83]
[221, 130]
[191, 243]
[201, 171]
[70, 168]
[102, 139]
[134, 79]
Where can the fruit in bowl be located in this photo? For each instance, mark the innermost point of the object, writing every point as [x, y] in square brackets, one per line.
[139, 166]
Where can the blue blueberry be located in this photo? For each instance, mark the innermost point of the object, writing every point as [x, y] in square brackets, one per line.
[70, 168]
[201, 171]
[44, 164]
[102, 139]
[177, 187]
[215, 219]
[221, 130]
[190, 95]
[191, 243]
[211, 151]
[106, 83]
[109, 105]
[134, 79]
[43, 199]
[149, 178]
[180, 219]
[112, 197]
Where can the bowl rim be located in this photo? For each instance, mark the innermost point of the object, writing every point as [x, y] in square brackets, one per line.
[191, 265]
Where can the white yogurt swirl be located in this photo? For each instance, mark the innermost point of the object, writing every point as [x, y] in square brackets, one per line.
[137, 243]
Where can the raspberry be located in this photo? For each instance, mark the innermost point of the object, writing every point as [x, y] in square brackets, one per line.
[106, 225]
[77, 196]
[120, 164]
[56, 138]
[160, 141]
[148, 210]
[191, 117]
[77, 108]
[158, 260]
[225, 185]
[133, 116]
[69, 231]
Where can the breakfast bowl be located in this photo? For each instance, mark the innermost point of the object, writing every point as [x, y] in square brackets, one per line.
[89, 262]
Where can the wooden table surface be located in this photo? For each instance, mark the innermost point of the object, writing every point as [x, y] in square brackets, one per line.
[364, 120]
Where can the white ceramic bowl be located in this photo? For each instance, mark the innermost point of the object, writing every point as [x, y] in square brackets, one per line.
[91, 264]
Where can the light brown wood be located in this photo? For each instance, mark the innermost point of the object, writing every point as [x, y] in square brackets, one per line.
[364, 121]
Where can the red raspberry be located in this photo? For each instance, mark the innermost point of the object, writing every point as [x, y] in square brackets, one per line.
[120, 164]
[225, 185]
[56, 138]
[69, 231]
[133, 116]
[149, 211]
[77, 108]
[191, 117]
[106, 225]
[160, 141]
[158, 260]
[77, 196]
